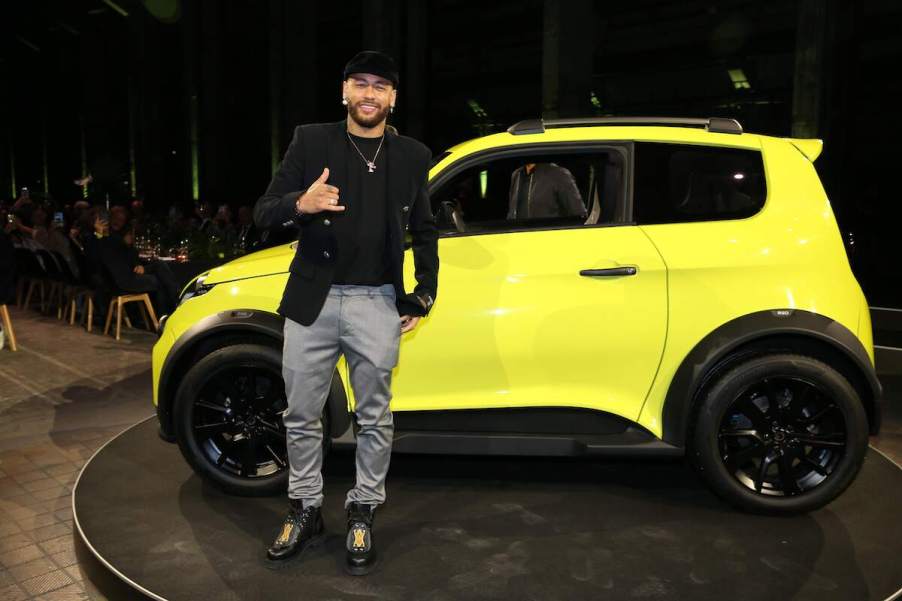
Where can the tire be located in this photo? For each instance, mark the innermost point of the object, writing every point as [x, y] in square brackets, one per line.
[792, 456]
[239, 446]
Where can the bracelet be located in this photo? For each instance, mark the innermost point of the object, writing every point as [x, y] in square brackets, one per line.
[425, 300]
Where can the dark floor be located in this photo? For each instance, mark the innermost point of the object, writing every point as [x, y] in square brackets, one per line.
[63, 395]
[493, 528]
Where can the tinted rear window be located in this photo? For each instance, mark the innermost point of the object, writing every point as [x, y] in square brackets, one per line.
[678, 183]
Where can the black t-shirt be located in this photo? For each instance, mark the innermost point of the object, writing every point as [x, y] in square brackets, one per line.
[361, 229]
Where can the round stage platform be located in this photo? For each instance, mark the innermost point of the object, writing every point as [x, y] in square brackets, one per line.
[488, 528]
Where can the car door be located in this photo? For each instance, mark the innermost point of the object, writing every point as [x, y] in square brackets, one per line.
[537, 316]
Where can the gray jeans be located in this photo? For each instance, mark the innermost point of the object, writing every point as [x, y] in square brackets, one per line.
[361, 322]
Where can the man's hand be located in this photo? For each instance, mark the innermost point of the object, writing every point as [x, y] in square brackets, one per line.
[409, 322]
[139, 269]
[101, 227]
[320, 196]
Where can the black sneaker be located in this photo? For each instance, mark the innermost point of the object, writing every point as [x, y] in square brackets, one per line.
[302, 528]
[361, 551]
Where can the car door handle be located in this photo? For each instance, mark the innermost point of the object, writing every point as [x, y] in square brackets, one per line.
[609, 272]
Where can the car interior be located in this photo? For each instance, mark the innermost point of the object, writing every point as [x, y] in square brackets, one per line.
[477, 199]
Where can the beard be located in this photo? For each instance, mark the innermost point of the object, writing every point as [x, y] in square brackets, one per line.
[364, 120]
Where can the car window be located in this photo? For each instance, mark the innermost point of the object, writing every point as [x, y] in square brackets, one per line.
[532, 192]
[678, 183]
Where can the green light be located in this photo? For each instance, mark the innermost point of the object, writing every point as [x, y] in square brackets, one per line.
[195, 180]
[167, 11]
[740, 82]
[594, 100]
[132, 127]
[477, 110]
[84, 156]
[195, 175]
[483, 182]
[116, 7]
[482, 123]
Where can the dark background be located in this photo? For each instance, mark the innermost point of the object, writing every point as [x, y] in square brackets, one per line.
[185, 101]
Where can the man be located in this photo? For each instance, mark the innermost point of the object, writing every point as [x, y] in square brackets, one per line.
[544, 190]
[353, 187]
[120, 260]
[247, 234]
[118, 219]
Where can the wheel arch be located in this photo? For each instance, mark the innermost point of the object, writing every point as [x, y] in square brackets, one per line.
[766, 332]
[241, 326]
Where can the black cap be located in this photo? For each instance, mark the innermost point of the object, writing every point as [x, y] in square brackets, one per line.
[375, 63]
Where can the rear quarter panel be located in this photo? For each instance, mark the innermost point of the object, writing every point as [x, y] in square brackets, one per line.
[789, 255]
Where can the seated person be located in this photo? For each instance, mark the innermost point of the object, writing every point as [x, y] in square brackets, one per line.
[544, 190]
[247, 233]
[121, 261]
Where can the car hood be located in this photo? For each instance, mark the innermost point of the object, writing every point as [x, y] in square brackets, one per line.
[263, 262]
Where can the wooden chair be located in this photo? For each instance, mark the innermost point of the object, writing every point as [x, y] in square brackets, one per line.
[31, 275]
[87, 314]
[117, 302]
[8, 328]
[86, 288]
[32, 284]
[55, 280]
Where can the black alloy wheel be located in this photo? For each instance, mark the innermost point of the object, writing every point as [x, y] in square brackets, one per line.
[238, 423]
[782, 436]
[227, 417]
[779, 434]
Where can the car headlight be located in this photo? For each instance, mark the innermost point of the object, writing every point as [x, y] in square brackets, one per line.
[196, 287]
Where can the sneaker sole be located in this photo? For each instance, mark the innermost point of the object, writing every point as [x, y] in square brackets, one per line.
[362, 571]
[312, 543]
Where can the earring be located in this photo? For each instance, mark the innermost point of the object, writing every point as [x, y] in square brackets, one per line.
[391, 109]
[344, 101]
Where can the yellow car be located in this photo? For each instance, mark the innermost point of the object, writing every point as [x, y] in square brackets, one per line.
[644, 286]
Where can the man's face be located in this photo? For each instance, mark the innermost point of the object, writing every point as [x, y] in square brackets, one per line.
[39, 217]
[369, 98]
[118, 218]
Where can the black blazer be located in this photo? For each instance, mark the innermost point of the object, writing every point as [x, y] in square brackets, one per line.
[119, 260]
[314, 147]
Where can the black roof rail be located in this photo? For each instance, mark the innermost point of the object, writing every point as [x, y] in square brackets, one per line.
[721, 125]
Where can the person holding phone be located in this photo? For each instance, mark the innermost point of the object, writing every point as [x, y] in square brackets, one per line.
[23, 207]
